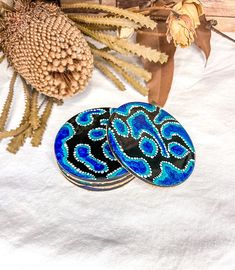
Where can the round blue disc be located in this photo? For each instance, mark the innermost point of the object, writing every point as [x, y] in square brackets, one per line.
[151, 144]
[82, 149]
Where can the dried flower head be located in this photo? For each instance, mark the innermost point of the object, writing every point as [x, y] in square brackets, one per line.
[181, 30]
[183, 21]
[46, 48]
[192, 8]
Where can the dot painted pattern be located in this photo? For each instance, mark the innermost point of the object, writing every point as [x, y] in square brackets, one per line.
[156, 148]
[82, 149]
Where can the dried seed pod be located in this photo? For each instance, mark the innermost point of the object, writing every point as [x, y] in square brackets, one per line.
[42, 44]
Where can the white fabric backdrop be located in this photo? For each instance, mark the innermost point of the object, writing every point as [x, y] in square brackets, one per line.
[48, 223]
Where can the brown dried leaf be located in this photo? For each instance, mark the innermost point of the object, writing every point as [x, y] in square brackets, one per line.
[203, 36]
[162, 74]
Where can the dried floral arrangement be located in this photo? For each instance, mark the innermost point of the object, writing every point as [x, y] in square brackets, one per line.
[47, 49]
[53, 47]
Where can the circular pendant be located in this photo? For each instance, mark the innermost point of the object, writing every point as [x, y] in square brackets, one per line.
[151, 144]
[82, 150]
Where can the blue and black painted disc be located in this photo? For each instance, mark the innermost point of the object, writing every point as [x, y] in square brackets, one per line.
[105, 187]
[97, 183]
[82, 149]
[151, 144]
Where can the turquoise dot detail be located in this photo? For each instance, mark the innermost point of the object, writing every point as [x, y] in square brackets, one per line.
[82, 153]
[148, 147]
[107, 151]
[86, 118]
[171, 175]
[177, 150]
[120, 127]
[97, 134]
[138, 165]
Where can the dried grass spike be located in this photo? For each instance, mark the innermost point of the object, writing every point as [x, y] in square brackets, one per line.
[34, 117]
[24, 124]
[8, 102]
[110, 75]
[123, 46]
[135, 84]
[137, 70]
[135, 17]
[146, 52]
[14, 132]
[101, 20]
[16, 142]
[38, 134]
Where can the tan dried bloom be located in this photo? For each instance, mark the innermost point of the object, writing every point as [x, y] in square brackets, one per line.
[181, 30]
[183, 21]
[46, 49]
[192, 8]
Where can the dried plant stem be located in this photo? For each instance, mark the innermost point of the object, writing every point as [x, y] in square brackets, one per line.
[38, 134]
[135, 17]
[102, 38]
[222, 34]
[34, 118]
[13, 132]
[148, 10]
[124, 64]
[7, 105]
[125, 47]
[16, 142]
[132, 81]
[19, 138]
[102, 20]
[110, 75]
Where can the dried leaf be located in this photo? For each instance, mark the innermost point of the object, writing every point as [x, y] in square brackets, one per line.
[110, 75]
[162, 75]
[138, 71]
[19, 138]
[13, 132]
[102, 20]
[125, 47]
[8, 102]
[108, 40]
[38, 134]
[135, 17]
[24, 123]
[203, 36]
[142, 51]
[34, 118]
[16, 142]
[132, 81]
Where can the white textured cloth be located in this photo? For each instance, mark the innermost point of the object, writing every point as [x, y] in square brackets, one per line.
[48, 223]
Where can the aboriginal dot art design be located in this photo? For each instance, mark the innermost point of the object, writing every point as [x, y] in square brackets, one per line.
[151, 144]
[82, 149]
